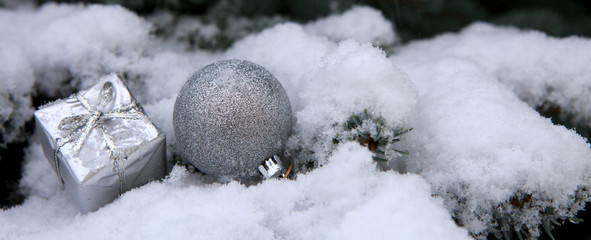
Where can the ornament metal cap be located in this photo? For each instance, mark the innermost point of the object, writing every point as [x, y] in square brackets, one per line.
[271, 168]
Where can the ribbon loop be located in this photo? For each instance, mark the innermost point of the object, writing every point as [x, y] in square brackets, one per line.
[84, 103]
[107, 97]
[73, 122]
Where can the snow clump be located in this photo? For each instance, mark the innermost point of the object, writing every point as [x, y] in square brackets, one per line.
[485, 151]
[360, 23]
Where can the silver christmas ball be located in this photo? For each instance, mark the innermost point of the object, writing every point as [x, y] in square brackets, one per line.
[230, 117]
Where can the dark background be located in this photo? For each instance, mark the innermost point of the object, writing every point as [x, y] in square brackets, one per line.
[413, 19]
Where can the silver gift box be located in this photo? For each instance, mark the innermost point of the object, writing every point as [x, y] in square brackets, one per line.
[88, 173]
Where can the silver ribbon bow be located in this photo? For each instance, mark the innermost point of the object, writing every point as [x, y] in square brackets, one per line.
[82, 124]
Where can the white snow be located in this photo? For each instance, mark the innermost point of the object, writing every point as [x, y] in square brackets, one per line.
[475, 139]
[536, 67]
[360, 23]
[480, 141]
[476, 142]
[350, 79]
[86, 41]
[347, 197]
[15, 93]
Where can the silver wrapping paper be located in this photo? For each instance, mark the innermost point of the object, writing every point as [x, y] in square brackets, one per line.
[89, 177]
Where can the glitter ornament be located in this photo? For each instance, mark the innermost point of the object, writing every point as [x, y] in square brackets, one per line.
[230, 117]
